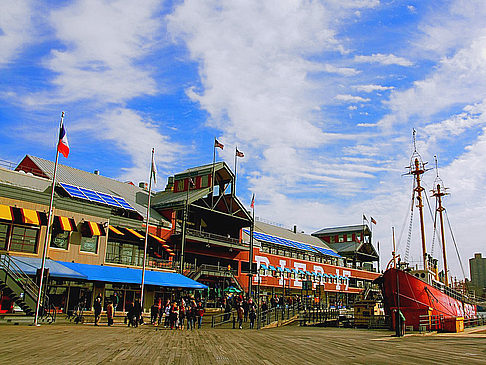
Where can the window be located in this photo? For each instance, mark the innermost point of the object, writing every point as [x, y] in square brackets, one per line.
[349, 237]
[124, 253]
[89, 244]
[341, 238]
[332, 239]
[60, 239]
[24, 239]
[4, 228]
[204, 181]
[180, 185]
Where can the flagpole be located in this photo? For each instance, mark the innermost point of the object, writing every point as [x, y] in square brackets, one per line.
[236, 157]
[147, 230]
[212, 174]
[252, 228]
[46, 241]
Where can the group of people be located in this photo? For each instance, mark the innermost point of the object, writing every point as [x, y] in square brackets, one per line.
[177, 314]
[245, 309]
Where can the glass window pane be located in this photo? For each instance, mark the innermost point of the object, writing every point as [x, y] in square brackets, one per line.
[60, 239]
[4, 228]
[24, 239]
[89, 244]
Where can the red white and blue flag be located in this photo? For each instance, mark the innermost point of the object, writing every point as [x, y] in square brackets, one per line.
[239, 153]
[252, 205]
[217, 144]
[63, 145]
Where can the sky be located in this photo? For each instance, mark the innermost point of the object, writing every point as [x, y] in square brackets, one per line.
[320, 96]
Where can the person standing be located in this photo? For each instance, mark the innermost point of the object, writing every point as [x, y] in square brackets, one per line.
[115, 300]
[182, 314]
[199, 314]
[137, 311]
[189, 316]
[97, 309]
[109, 313]
[154, 313]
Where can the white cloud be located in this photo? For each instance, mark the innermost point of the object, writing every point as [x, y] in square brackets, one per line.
[371, 88]
[144, 135]
[411, 9]
[103, 40]
[352, 98]
[352, 107]
[15, 28]
[383, 59]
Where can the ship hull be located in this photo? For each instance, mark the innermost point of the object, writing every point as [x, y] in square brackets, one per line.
[419, 301]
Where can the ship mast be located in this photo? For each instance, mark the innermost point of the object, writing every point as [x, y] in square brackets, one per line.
[438, 195]
[417, 169]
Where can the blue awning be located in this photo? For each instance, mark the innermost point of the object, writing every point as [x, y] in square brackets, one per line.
[286, 269]
[270, 267]
[29, 266]
[279, 268]
[113, 274]
[263, 266]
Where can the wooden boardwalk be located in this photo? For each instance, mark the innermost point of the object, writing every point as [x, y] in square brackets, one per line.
[86, 344]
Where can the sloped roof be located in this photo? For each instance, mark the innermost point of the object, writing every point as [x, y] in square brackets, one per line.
[23, 180]
[169, 199]
[135, 196]
[203, 170]
[342, 229]
[288, 234]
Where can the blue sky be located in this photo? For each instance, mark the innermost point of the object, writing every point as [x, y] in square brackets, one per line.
[321, 97]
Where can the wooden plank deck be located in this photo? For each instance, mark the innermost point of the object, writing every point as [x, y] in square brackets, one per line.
[87, 344]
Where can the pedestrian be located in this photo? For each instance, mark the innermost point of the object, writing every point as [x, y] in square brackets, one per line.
[241, 312]
[252, 316]
[246, 308]
[167, 314]
[115, 300]
[154, 313]
[109, 313]
[227, 311]
[129, 317]
[137, 312]
[199, 314]
[182, 314]
[97, 309]
[189, 316]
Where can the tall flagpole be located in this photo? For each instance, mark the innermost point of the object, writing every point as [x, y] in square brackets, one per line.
[250, 259]
[49, 219]
[236, 157]
[147, 229]
[212, 174]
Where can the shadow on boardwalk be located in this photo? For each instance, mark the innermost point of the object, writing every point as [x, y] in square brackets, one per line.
[86, 344]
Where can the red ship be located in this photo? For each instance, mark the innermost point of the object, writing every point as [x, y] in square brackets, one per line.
[424, 298]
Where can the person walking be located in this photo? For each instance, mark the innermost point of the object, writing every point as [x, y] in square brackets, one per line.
[97, 309]
[241, 312]
[154, 313]
[252, 316]
[115, 300]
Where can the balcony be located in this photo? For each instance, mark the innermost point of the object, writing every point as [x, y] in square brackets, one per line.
[152, 262]
[216, 239]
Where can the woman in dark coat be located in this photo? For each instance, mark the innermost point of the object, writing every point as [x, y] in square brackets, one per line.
[97, 309]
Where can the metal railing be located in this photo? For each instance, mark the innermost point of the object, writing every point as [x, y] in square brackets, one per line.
[152, 262]
[48, 312]
[275, 314]
[212, 236]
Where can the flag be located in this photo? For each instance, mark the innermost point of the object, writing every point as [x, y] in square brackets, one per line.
[364, 218]
[217, 144]
[154, 170]
[252, 205]
[63, 145]
[239, 153]
[373, 220]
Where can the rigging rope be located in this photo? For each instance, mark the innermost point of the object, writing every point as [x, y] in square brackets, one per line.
[455, 246]
[410, 225]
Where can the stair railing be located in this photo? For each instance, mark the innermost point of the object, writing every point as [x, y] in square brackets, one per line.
[48, 311]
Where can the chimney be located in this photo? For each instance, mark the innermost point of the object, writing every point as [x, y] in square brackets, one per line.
[295, 229]
[143, 185]
[96, 172]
